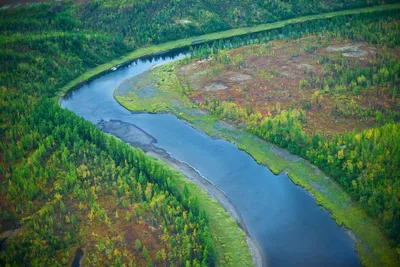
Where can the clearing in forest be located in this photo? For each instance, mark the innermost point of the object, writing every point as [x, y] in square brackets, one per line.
[310, 73]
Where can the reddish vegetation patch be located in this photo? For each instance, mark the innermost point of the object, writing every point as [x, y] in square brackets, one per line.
[122, 234]
[267, 76]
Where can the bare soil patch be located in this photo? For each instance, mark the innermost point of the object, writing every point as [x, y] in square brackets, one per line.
[215, 87]
[351, 50]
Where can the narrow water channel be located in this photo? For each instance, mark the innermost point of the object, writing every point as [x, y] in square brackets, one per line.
[283, 218]
[78, 257]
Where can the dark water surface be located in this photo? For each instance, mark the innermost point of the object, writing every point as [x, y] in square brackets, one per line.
[282, 217]
[78, 257]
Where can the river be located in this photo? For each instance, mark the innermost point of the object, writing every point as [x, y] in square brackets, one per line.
[284, 219]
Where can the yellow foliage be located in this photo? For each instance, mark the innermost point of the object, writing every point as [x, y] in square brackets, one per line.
[340, 154]
[358, 137]
[91, 215]
[359, 164]
[116, 252]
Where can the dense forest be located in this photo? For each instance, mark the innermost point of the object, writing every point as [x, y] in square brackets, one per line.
[77, 186]
[143, 22]
[342, 113]
[65, 184]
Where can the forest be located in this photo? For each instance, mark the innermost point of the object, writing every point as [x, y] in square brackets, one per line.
[65, 184]
[75, 185]
[332, 103]
[55, 43]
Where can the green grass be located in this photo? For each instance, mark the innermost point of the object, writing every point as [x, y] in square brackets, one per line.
[372, 245]
[229, 239]
[210, 37]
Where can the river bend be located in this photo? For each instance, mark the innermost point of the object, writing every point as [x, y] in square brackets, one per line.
[284, 219]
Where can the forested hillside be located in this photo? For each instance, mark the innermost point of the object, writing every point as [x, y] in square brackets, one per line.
[49, 44]
[65, 184]
[74, 186]
[144, 22]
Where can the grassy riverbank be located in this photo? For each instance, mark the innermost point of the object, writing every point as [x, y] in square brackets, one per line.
[229, 239]
[213, 36]
[166, 96]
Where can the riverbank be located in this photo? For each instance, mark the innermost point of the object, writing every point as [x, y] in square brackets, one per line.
[372, 246]
[266, 154]
[162, 48]
[228, 240]
[259, 259]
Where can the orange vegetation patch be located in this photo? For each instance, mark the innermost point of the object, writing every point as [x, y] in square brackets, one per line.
[118, 237]
[268, 78]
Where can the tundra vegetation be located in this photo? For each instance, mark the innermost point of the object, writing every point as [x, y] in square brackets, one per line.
[66, 185]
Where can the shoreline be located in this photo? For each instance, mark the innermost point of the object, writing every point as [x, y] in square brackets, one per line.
[175, 45]
[191, 174]
[325, 191]
[294, 177]
[137, 137]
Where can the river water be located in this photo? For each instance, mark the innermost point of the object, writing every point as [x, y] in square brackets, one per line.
[283, 218]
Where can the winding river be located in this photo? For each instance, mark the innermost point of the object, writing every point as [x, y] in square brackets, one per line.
[284, 219]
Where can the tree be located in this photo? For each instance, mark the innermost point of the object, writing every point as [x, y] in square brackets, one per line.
[138, 244]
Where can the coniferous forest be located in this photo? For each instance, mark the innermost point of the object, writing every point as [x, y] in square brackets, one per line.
[64, 183]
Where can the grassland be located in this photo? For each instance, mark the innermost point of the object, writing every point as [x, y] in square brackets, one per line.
[167, 96]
